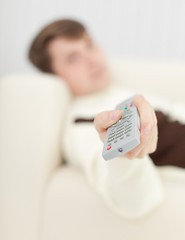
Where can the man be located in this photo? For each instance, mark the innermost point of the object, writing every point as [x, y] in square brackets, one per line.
[130, 188]
[66, 49]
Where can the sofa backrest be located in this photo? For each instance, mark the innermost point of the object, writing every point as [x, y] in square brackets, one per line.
[160, 78]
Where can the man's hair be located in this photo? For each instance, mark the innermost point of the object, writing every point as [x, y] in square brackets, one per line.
[38, 53]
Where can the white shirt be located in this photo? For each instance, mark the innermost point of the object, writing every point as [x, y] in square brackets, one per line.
[131, 188]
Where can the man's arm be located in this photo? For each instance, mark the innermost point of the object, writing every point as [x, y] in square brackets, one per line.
[131, 188]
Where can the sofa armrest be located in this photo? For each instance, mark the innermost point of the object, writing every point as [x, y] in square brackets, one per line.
[32, 115]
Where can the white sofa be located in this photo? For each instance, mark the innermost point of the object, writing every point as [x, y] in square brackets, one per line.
[41, 198]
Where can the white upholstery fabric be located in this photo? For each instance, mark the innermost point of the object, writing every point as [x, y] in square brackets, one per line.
[161, 78]
[31, 119]
[74, 211]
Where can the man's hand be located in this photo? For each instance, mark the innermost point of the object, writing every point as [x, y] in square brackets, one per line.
[148, 127]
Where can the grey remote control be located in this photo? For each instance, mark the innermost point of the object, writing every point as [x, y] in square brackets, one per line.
[124, 135]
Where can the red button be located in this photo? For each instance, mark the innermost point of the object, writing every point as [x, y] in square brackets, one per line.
[130, 105]
[109, 148]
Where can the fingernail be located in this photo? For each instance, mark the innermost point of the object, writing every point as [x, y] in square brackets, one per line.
[115, 114]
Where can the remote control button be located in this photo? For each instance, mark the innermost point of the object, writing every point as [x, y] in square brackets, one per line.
[115, 141]
[128, 127]
[109, 148]
[110, 139]
[128, 132]
[119, 132]
[131, 105]
[123, 117]
[111, 134]
[120, 149]
[121, 128]
[120, 125]
[128, 121]
[120, 135]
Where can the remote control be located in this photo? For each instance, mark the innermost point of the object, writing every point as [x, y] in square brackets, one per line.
[124, 135]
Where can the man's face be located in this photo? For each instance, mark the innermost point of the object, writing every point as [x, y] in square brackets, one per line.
[80, 62]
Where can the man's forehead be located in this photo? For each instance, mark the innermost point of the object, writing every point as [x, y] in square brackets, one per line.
[68, 45]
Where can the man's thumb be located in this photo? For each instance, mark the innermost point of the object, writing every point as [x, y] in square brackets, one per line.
[115, 114]
[105, 119]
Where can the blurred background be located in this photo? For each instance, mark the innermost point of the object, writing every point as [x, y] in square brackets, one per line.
[130, 28]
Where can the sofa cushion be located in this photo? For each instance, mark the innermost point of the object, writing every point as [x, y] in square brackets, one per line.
[73, 210]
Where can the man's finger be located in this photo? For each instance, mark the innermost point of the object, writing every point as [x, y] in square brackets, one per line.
[105, 119]
[145, 112]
